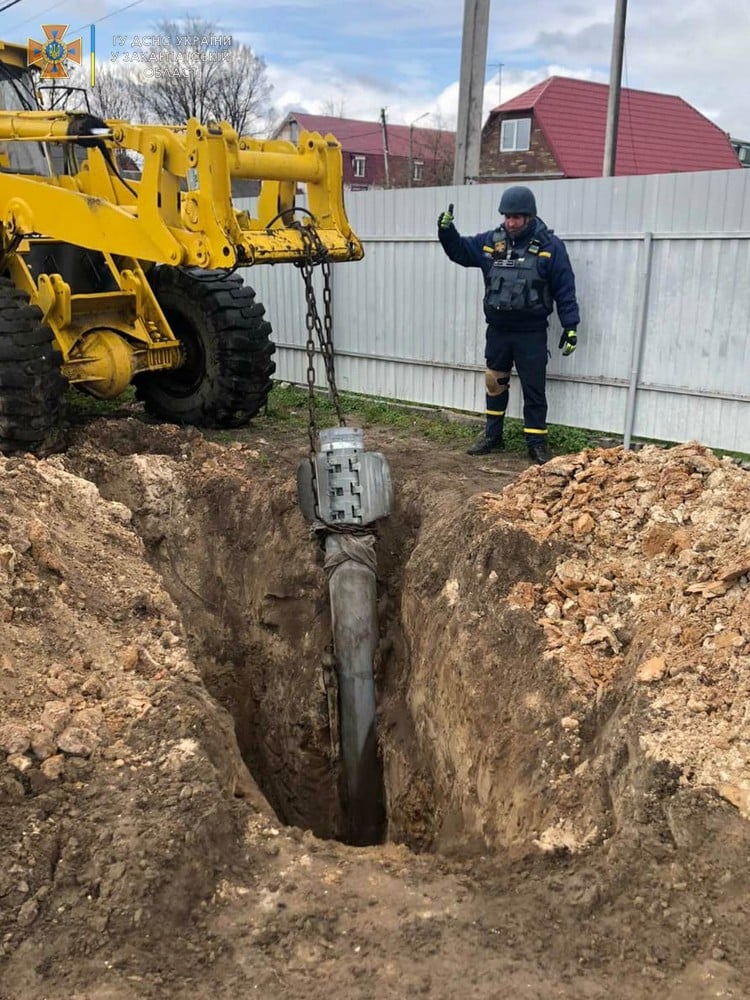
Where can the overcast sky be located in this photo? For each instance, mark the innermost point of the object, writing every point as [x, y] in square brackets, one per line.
[405, 55]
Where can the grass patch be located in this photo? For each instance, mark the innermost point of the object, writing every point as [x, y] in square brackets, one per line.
[288, 404]
[288, 407]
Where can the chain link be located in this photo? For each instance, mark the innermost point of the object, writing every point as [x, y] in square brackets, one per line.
[316, 253]
[326, 344]
[306, 270]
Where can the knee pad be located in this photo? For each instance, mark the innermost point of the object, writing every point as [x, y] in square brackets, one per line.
[496, 382]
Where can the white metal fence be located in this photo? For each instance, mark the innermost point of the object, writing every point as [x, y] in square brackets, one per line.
[662, 269]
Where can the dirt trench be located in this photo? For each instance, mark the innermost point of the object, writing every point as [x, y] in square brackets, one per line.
[562, 685]
[247, 574]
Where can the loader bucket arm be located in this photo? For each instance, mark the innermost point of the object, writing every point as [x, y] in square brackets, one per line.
[181, 212]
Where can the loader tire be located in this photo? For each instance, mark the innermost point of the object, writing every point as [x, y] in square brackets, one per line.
[226, 376]
[32, 390]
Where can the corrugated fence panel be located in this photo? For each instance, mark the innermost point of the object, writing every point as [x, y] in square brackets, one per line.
[408, 323]
[698, 326]
[594, 380]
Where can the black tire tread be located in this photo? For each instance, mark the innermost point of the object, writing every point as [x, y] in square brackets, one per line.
[227, 314]
[32, 390]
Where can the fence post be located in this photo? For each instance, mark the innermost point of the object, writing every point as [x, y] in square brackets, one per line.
[638, 340]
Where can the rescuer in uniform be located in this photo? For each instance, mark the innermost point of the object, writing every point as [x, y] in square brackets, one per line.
[526, 272]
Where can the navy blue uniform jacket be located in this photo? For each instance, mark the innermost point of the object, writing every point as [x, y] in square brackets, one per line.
[553, 264]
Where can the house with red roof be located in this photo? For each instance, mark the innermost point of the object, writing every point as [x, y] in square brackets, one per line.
[378, 156]
[557, 129]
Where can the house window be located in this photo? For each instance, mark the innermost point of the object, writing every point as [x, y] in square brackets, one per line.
[514, 135]
[418, 170]
[358, 165]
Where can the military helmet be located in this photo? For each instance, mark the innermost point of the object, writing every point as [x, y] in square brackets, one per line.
[517, 201]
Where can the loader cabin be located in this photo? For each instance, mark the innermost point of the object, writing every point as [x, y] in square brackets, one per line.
[14, 56]
[18, 93]
[17, 90]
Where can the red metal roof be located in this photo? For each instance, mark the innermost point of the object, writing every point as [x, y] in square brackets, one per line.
[657, 133]
[367, 137]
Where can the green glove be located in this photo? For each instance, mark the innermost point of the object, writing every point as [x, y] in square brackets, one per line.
[445, 219]
[568, 342]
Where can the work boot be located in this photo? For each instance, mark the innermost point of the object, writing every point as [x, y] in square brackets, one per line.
[485, 444]
[538, 452]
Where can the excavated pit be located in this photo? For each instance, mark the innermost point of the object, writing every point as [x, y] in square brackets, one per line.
[563, 679]
[237, 558]
[509, 692]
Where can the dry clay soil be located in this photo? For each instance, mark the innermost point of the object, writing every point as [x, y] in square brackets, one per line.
[563, 682]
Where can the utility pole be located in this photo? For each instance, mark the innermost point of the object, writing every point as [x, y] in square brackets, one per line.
[615, 76]
[471, 90]
[411, 144]
[385, 148]
[500, 83]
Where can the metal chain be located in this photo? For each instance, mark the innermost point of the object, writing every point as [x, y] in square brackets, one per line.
[316, 253]
[326, 343]
[306, 269]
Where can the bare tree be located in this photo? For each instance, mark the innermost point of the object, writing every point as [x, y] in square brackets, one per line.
[242, 93]
[179, 77]
[335, 107]
[435, 147]
[116, 95]
[202, 73]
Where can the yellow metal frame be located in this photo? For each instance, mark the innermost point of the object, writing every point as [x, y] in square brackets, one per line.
[180, 212]
[105, 338]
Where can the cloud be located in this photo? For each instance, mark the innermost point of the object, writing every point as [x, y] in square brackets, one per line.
[405, 54]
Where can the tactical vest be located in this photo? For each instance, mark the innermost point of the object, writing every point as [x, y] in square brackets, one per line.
[516, 285]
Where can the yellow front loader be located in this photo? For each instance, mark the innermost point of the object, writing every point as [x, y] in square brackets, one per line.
[107, 280]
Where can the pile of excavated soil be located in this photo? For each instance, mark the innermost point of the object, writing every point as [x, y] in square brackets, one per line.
[597, 609]
[562, 687]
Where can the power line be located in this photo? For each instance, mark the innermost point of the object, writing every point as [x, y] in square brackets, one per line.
[119, 10]
[36, 17]
[499, 82]
[630, 111]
